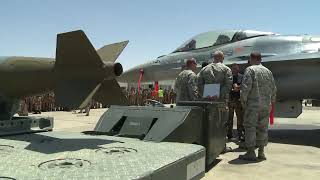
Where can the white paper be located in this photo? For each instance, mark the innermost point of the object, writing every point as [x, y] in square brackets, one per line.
[211, 90]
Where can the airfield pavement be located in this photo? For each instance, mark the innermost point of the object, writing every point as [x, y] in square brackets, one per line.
[293, 151]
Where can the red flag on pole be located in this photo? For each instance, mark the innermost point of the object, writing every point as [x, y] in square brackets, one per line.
[139, 82]
[156, 86]
[272, 114]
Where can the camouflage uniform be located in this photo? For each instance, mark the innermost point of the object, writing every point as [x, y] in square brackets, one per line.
[258, 90]
[144, 96]
[38, 104]
[166, 97]
[88, 107]
[139, 99]
[51, 102]
[132, 97]
[45, 103]
[23, 109]
[186, 86]
[216, 73]
[171, 96]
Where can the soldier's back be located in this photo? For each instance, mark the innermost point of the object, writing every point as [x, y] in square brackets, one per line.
[262, 84]
[216, 73]
[213, 73]
[182, 83]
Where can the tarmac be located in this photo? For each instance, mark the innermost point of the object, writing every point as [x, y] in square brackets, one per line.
[293, 151]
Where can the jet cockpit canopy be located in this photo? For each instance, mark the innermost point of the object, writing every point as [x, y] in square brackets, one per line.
[215, 38]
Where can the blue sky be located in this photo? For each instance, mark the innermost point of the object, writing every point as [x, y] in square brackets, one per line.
[154, 28]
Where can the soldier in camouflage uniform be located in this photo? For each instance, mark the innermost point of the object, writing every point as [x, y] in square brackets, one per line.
[216, 73]
[132, 96]
[139, 99]
[186, 82]
[171, 97]
[23, 109]
[144, 96]
[258, 91]
[37, 104]
[88, 107]
[51, 102]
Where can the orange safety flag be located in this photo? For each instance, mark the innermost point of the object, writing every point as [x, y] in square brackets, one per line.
[272, 114]
[156, 86]
[139, 82]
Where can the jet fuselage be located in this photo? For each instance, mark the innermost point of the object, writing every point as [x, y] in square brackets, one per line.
[294, 61]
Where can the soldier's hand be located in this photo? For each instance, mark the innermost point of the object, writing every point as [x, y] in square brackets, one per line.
[235, 85]
[236, 88]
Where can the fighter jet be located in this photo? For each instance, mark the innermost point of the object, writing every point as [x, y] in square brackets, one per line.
[78, 74]
[294, 61]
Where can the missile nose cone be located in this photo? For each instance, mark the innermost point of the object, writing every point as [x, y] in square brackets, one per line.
[118, 70]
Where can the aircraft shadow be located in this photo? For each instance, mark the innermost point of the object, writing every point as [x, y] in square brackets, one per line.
[295, 137]
[49, 145]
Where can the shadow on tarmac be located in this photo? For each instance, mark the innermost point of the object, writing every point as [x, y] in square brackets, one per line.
[295, 137]
[238, 161]
[50, 145]
[239, 150]
[213, 164]
[309, 137]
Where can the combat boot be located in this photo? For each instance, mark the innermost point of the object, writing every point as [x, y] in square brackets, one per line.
[261, 154]
[250, 155]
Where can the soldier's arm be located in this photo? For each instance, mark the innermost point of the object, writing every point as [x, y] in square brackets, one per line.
[193, 87]
[175, 85]
[245, 87]
[200, 84]
[240, 76]
[228, 84]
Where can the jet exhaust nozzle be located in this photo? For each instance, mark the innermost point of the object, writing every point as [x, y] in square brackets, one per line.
[118, 70]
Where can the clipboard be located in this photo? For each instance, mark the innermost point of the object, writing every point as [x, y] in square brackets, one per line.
[211, 90]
